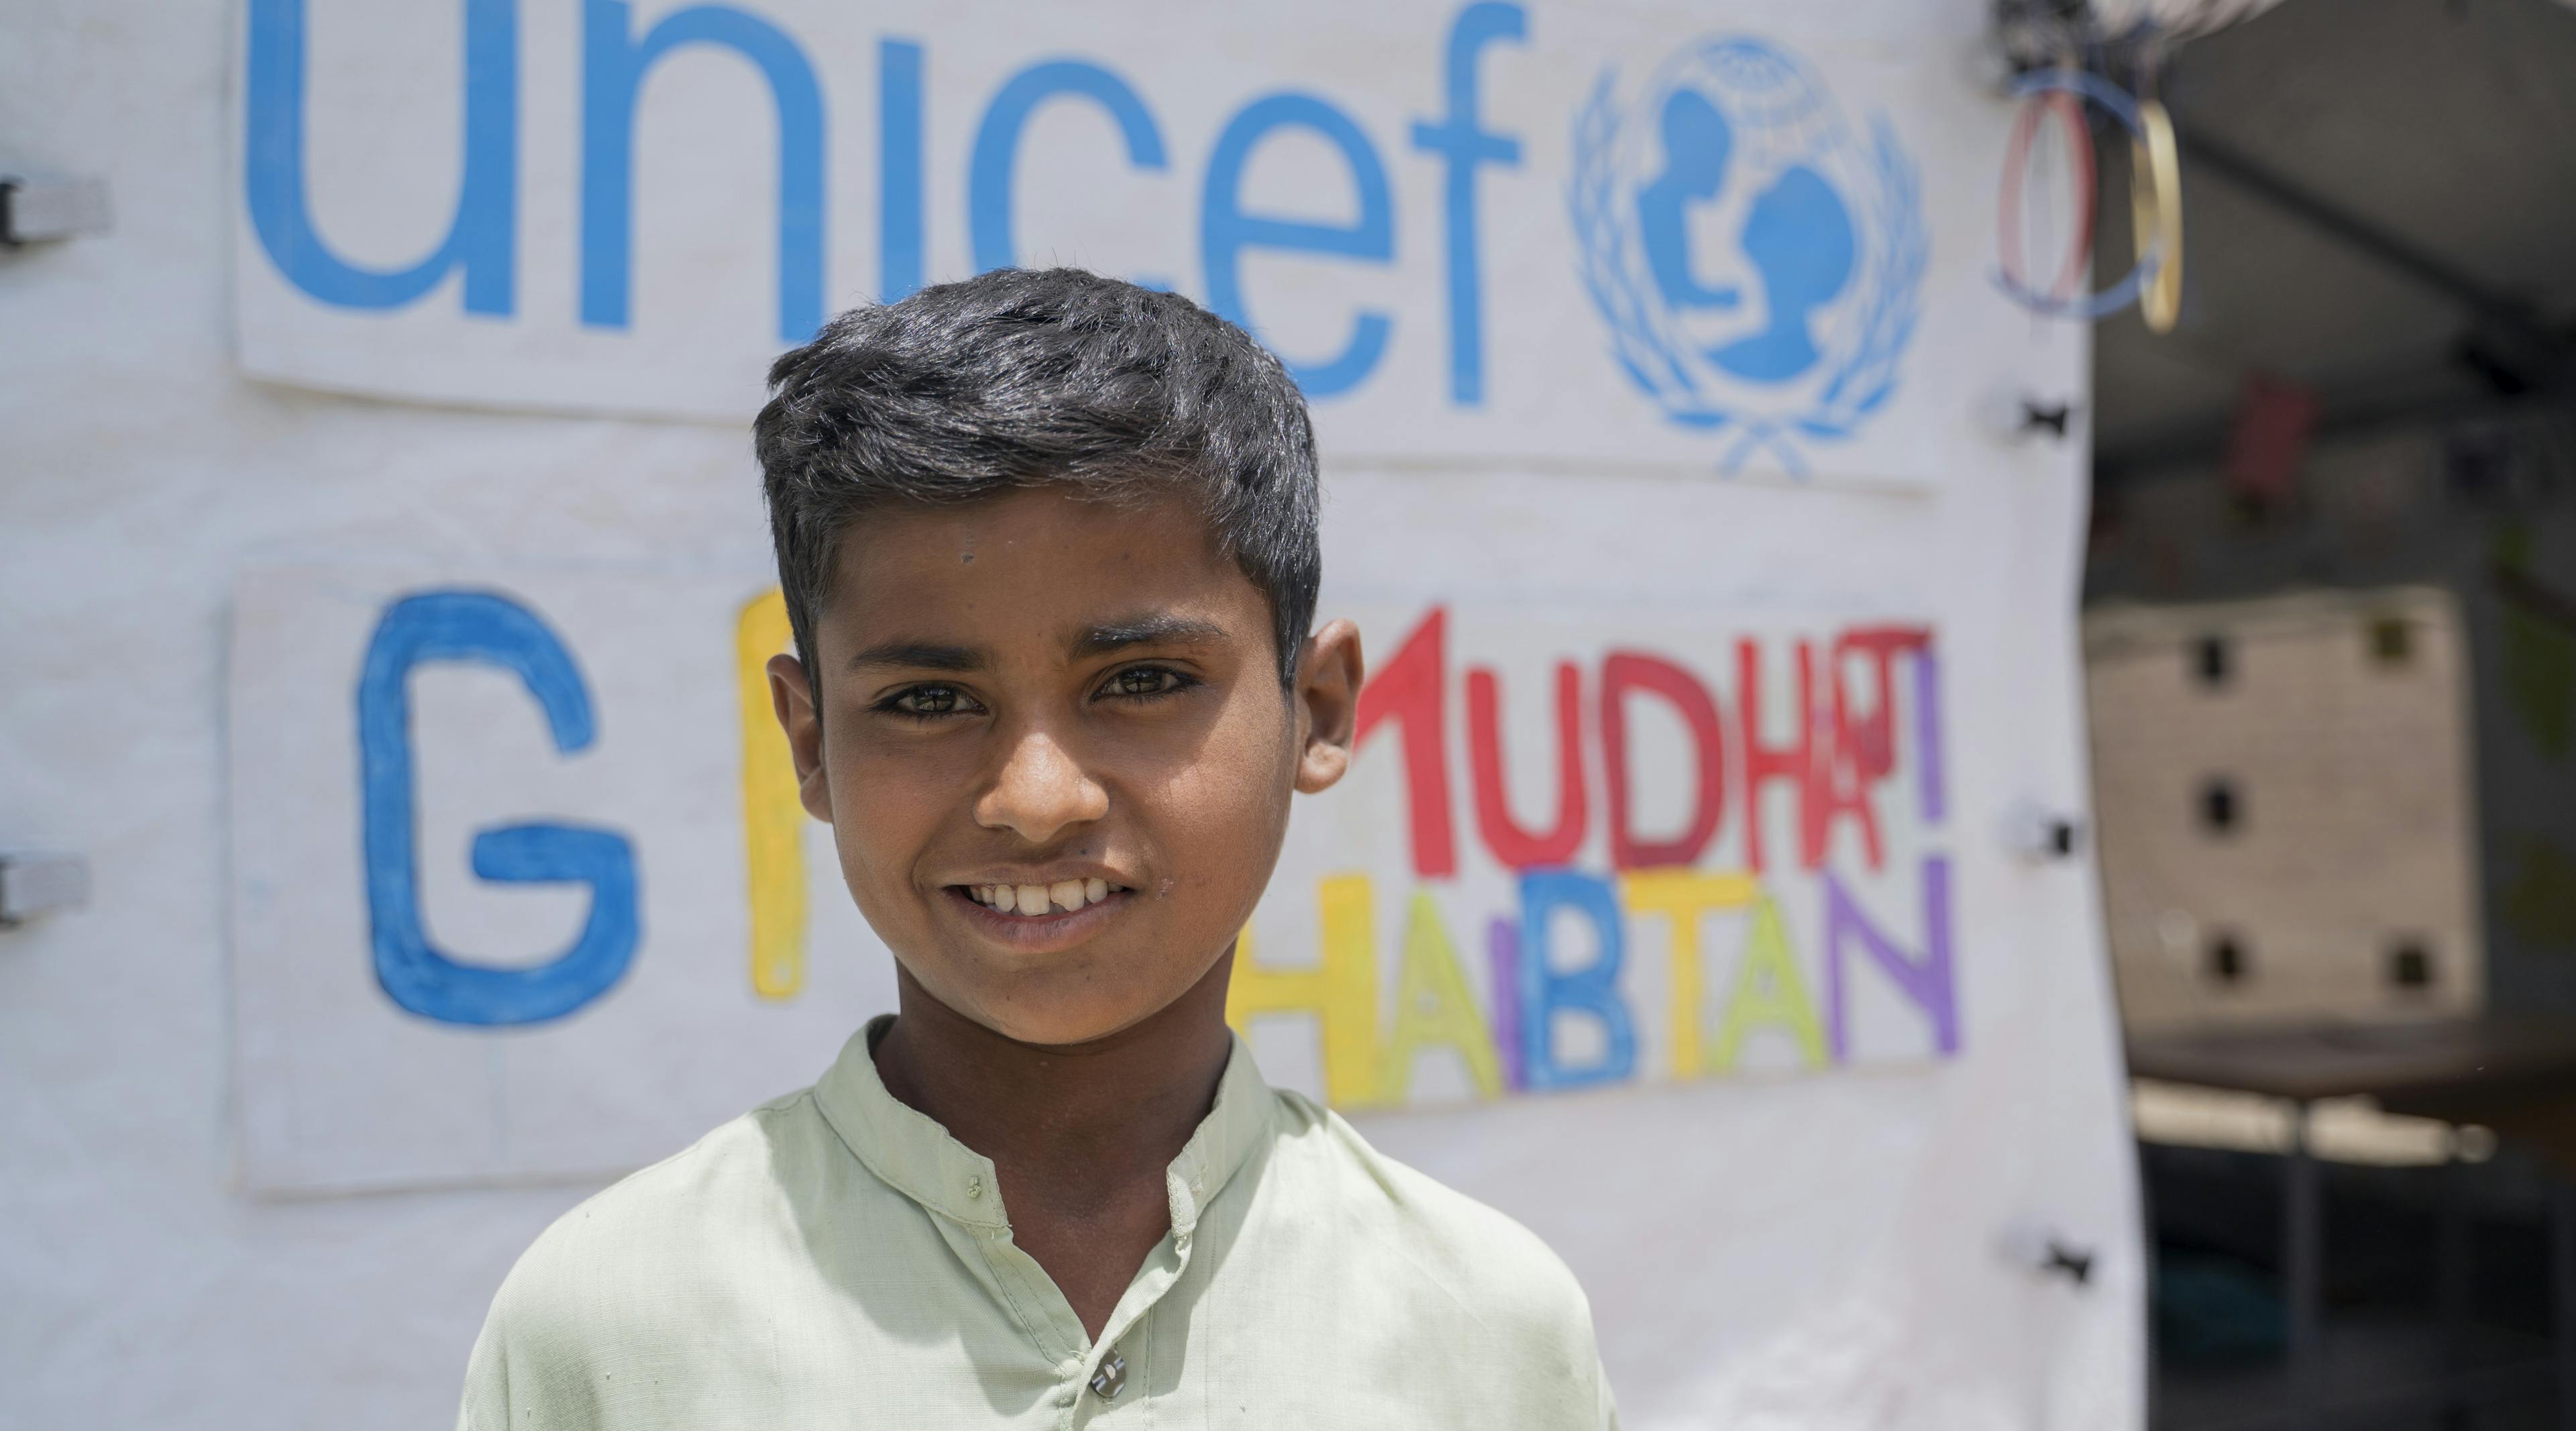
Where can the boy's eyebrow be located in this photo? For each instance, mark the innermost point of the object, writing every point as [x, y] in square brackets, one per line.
[1161, 628]
[919, 656]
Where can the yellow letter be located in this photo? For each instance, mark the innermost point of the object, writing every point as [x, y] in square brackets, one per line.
[773, 820]
[1686, 896]
[1340, 991]
[1769, 992]
[1433, 1006]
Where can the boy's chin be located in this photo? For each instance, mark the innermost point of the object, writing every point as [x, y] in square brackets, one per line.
[1038, 1013]
[1071, 1033]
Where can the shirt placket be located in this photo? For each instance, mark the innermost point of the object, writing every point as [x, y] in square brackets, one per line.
[1110, 1381]
[1091, 1377]
[958, 1187]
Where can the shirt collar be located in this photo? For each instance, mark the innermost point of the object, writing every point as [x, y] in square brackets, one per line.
[915, 1156]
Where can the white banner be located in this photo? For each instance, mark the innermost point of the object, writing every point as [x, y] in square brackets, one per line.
[1666, 908]
[1669, 905]
[1744, 239]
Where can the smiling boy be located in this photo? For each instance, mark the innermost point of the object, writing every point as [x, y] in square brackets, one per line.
[1048, 543]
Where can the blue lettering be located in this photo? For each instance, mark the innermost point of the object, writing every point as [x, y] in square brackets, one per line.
[1225, 231]
[478, 238]
[1464, 146]
[997, 145]
[613, 69]
[493, 630]
[1591, 990]
[899, 265]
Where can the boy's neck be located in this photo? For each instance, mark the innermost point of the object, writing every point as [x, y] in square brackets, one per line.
[1079, 1135]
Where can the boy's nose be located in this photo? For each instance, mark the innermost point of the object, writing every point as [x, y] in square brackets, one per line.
[1040, 791]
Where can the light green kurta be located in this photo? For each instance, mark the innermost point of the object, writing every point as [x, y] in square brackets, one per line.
[835, 1259]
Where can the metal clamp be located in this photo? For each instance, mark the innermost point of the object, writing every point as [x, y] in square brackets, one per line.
[2040, 835]
[37, 207]
[33, 885]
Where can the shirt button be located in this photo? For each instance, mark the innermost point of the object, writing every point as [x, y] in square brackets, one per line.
[974, 1187]
[1111, 1378]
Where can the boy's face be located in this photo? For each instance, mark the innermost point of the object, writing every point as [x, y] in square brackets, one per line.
[1068, 700]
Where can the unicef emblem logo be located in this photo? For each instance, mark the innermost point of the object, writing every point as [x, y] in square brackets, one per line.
[1757, 265]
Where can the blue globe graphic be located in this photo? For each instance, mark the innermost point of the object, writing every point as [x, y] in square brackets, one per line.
[1757, 263]
[1783, 116]
[1741, 138]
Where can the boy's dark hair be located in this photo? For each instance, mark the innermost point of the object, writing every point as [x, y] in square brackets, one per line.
[1040, 378]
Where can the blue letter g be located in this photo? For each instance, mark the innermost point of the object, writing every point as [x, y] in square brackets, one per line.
[494, 630]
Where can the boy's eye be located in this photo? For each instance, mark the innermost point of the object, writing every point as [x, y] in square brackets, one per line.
[1147, 681]
[927, 701]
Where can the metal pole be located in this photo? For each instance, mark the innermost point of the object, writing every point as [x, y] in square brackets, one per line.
[2302, 1270]
[2562, 1313]
[2453, 1251]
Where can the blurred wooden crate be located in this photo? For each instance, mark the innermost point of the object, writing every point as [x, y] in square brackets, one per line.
[2284, 807]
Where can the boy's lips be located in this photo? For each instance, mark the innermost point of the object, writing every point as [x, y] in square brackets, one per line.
[1044, 933]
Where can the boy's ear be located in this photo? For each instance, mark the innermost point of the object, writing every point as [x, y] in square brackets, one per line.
[1329, 671]
[793, 698]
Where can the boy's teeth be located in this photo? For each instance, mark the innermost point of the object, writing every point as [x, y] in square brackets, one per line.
[1067, 895]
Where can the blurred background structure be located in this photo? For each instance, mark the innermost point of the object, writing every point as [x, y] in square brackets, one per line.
[2330, 642]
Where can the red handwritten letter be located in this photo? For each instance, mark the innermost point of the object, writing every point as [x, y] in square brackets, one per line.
[1626, 671]
[1515, 847]
[1412, 689]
